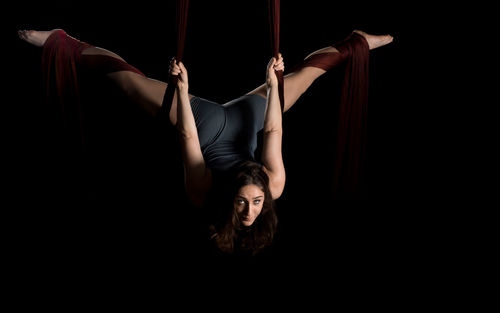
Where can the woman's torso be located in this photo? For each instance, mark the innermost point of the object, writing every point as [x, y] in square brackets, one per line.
[228, 132]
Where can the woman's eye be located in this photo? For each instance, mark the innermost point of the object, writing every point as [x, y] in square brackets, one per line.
[241, 202]
[256, 201]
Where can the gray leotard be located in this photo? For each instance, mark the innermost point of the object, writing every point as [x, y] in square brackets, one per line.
[228, 132]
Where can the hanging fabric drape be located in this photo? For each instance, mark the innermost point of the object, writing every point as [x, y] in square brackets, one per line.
[63, 64]
[350, 146]
[274, 24]
[60, 58]
[181, 15]
[352, 119]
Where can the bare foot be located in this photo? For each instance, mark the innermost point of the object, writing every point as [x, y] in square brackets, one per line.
[375, 41]
[35, 37]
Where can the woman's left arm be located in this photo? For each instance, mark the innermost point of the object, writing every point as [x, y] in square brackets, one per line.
[272, 158]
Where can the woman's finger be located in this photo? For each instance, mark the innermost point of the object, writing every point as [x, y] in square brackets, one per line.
[279, 65]
[176, 67]
[272, 61]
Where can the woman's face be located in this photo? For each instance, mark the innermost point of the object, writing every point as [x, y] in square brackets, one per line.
[248, 203]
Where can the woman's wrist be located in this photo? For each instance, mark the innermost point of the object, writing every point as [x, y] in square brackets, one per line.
[182, 88]
[271, 85]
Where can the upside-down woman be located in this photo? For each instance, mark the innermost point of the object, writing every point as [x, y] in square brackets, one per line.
[218, 141]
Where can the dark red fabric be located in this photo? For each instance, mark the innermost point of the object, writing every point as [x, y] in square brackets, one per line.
[182, 10]
[353, 110]
[60, 57]
[62, 60]
[353, 113]
[274, 25]
[182, 18]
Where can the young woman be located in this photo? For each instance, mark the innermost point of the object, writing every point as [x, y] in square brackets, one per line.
[218, 142]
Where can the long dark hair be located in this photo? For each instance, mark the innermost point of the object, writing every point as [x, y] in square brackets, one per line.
[229, 234]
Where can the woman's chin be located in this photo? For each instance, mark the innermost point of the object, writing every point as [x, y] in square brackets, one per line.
[247, 223]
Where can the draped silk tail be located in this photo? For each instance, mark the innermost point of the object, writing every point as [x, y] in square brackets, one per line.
[62, 64]
[348, 167]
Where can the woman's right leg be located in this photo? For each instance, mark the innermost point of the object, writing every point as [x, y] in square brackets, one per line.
[316, 64]
[147, 92]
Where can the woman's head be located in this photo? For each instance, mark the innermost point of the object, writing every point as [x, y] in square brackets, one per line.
[250, 192]
[251, 222]
[248, 203]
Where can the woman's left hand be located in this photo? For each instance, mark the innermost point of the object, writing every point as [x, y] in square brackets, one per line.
[178, 69]
[274, 65]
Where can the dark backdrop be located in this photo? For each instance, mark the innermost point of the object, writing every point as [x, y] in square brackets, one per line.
[119, 207]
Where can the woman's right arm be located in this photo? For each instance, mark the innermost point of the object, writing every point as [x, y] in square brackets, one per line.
[198, 177]
[272, 158]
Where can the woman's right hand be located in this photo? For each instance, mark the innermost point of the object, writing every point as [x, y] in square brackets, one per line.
[272, 66]
[179, 70]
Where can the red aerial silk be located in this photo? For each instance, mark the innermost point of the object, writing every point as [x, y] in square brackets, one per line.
[182, 9]
[348, 163]
[352, 124]
[62, 61]
[274, 24]
[60, 58]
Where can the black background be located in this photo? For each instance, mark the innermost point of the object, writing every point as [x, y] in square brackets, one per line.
[116, 213]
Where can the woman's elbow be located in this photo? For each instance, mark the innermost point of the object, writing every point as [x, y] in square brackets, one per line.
[273, 130]
[277, 187]
[186, 134]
